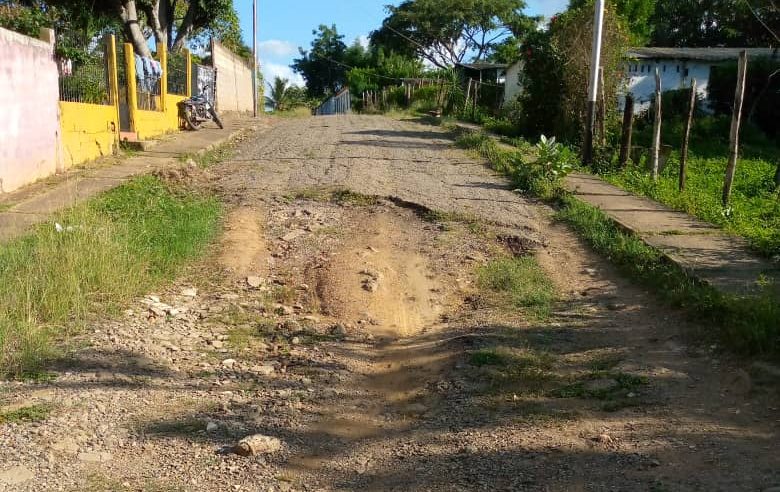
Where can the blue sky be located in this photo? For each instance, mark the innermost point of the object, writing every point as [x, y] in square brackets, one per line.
[286, 25]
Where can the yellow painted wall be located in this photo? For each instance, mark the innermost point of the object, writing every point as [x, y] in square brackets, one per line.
[150, 124]
[88, 131]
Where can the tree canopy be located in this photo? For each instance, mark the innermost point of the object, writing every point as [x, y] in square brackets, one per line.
[172, 23]
[444, 32]
[323, 66]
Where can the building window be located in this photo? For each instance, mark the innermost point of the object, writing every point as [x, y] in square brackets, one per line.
[664, 68]
[685, 72]
[678, 68]
[643, 69]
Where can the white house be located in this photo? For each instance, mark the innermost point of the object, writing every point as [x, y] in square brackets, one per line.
[677, 67]
[513, 85]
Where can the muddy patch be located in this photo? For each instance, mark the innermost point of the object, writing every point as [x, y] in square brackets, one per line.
[243, 250]
[381, 280]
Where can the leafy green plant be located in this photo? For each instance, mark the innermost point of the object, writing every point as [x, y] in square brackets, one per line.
[553, 160]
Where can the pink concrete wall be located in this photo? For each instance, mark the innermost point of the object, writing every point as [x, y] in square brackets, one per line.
[29, 111]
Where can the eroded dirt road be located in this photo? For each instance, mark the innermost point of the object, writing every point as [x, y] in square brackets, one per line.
[342, 314]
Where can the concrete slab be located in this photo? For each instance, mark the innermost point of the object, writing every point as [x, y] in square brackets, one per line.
[634, 213]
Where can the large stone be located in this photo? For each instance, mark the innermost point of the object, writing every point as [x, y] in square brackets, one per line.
[254, 281]
[16, 475]
[95, 457]
[257, 444]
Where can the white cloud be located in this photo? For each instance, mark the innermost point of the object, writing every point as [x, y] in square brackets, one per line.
[364, 41]
[273, 70]
[275, 48]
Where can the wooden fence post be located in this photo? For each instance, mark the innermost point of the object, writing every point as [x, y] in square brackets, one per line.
[655, 150]
[132, 86]
[687, 137]
[628, 128]
[468, 95]
[736, 119]
[113, 81]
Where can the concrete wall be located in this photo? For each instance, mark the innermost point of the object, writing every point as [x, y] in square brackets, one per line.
[234, 80]
[150, 124]
[513, 85]
[29, 122]
[88, 131]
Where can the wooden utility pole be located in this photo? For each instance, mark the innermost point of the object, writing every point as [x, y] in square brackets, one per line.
[655, 151]
[736, 119]
[628, 128]
[687, 136]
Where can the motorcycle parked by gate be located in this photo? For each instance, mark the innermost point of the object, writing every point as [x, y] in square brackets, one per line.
[199, 109]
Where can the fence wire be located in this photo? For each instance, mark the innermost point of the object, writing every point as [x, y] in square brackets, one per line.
[177, 74]
[85, 80]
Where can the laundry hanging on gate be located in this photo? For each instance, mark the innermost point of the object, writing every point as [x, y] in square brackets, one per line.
[148, 72]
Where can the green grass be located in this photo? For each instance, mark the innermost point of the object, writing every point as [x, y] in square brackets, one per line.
[754, 209]
[518, 283]
[211, 157]
[120, 245]
[32, 413]
[746, 325]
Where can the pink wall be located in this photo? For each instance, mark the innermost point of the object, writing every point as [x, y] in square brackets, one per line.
[29, 111]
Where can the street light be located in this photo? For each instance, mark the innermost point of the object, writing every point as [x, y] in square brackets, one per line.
[593, 92]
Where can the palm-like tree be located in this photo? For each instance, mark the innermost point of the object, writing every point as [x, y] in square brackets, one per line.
[279, 95]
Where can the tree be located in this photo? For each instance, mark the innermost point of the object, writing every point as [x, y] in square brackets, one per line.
[636, 14]
[323, 67]
[279, 93]
[444, 32]
[172, 22]
[701, 23]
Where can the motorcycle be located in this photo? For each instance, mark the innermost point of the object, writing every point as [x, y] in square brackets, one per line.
[199, 109]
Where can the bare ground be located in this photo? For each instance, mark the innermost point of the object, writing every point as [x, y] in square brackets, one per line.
[355, 347]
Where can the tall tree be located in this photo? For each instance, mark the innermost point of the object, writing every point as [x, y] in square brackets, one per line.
[444, 32]
[324, 66]
[701, 23]
[636, 15]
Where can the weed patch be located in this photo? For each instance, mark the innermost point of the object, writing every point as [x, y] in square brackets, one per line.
[518, 283]
[108, 250]
[32, 413]
[744, 324]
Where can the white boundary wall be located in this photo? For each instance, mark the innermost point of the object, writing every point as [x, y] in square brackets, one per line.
[234, 80]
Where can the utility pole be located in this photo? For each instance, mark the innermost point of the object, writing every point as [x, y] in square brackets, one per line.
[593, 90]
[254, 58]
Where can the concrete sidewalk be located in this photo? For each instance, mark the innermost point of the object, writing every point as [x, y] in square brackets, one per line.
[36, 203]
[702, 250]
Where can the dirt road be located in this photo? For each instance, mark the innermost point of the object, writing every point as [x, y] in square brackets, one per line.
[345, 317]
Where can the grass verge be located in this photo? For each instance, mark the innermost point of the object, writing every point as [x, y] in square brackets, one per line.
[110, 249]
[754, 212]
[746, 325]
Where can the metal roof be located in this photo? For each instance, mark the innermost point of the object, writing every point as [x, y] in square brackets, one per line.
[483, 66]
[706, 54]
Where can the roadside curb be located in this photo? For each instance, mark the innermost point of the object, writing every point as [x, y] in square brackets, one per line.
[38, 206]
